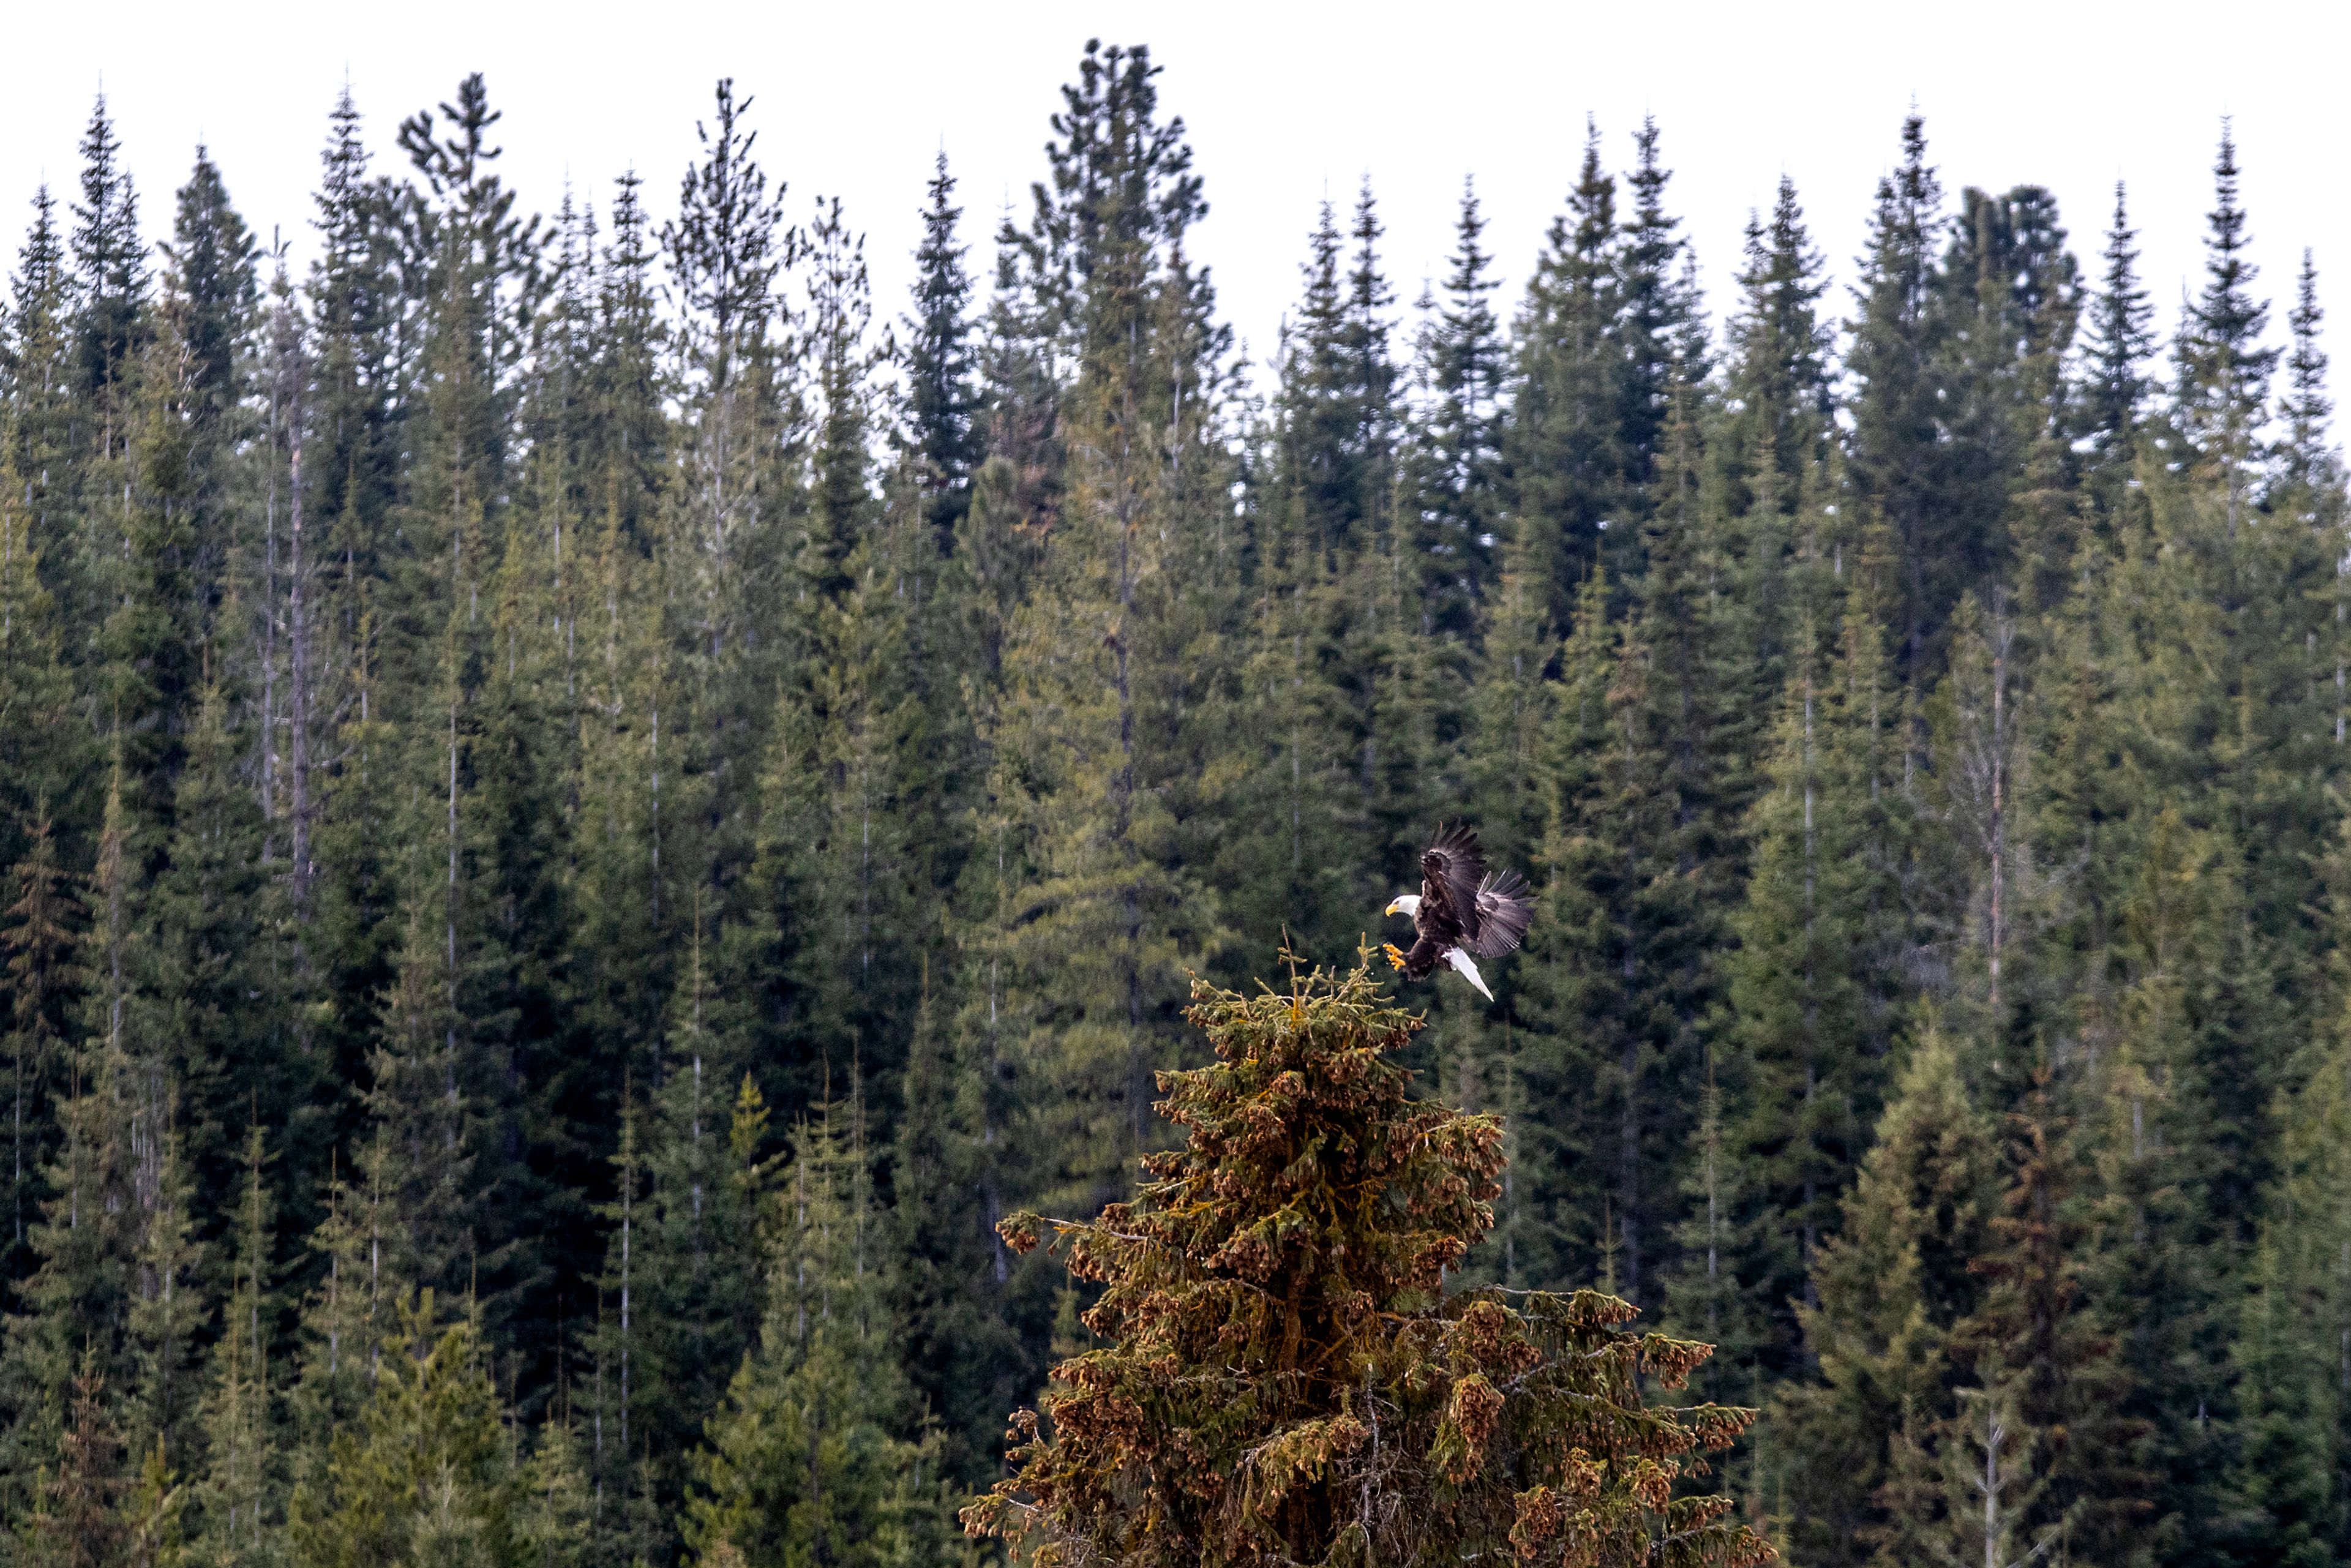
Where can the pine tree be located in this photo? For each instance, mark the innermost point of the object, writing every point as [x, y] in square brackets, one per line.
[1813, 988]
[168, 1310]
[726, 249]
[2221, 393]
[1841, 1451]
[209, 934]
[76, 1522]
[960, 1356]
[616, 970]
[1624, 973]
[2174, 1149]
[2044, 1367]
[802, 1462]
[109, 260]
[1772, 444]
[1455, 465]
[1291, 1372]
[1896, 342]
[2308, 459]
[38, 764]
[337, 408]
[210, 287]
[87, 1236]
[1662, 332]
[2119, 341]
[43, 980]
[240, 1495]
[426, 1472]
[43, 377]
[554, 1511]
[943, 398]
[693, 1248]
[1104, 915]
[1562, 446]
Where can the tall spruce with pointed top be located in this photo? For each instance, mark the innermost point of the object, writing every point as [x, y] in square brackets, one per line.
[1282, 1374]
[2224, 370]
[1894, 454]
[1562, 439]
[942, 391]
[2119, 339]
[1455, 461]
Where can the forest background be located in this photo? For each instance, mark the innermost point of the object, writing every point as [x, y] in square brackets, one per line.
[586, 805]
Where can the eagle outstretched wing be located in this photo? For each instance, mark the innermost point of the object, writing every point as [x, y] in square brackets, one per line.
[1503, 911]
[1450, 871]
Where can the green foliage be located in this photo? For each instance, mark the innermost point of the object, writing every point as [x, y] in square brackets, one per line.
[425, 1474]
[505, 733]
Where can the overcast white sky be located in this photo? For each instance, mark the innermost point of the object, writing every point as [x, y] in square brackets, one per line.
[1286, 103]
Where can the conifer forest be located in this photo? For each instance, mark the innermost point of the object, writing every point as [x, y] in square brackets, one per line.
[586, 808]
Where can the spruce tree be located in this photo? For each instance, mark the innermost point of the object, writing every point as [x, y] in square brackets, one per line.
[1813, 989]
[239, 1496]
[803, 1463]
[1891, 1287]
[426, 1471]
[1893, 460]
[1283, 1370]
[1563, 450]
[1771, 447]
[2307, 458]
[339, 403]
[943, 398]
[44, 981]
[109, 262]
[2223, 369]
[1455, 461]
[2044, 1364]
[1106, 915]
[2118, 340]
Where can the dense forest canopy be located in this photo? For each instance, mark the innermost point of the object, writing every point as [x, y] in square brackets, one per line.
[585, 807]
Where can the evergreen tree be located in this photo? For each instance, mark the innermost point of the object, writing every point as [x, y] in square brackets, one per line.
[1773, 445]
[2221, 393]
[961, 1358]
[1624, 972]
[43, 982]
[1563, 449]
[426, 1472]
[1455, 461]
[943, 398]
[1274, 1361]
[1842, 1451]
[240, 1496]
[2118, 341]
[109, 262]
[802, 1463]
[2045, 1369]
[209, 920]
[338, 408]
[1104, 915]
[2308, 459]
[76, 1523]
[1894, 460]
[1813, 991]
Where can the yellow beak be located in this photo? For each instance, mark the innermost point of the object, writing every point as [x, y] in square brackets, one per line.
[1390, 909]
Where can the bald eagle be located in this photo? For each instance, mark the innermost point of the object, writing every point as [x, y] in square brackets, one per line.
[1461, 909]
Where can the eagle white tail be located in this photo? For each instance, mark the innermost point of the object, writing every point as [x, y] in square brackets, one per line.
[1462, 962]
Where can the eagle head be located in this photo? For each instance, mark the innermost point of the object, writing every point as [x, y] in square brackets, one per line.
[1404, 903]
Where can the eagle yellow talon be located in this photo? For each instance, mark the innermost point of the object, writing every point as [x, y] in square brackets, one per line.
[1395, 958]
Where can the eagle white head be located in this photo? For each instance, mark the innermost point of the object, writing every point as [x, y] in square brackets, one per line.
[1404, 903]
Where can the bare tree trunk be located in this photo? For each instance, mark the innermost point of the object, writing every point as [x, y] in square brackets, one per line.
[298, 631]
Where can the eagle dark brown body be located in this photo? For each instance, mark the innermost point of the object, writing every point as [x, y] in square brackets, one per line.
[1463, 911]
